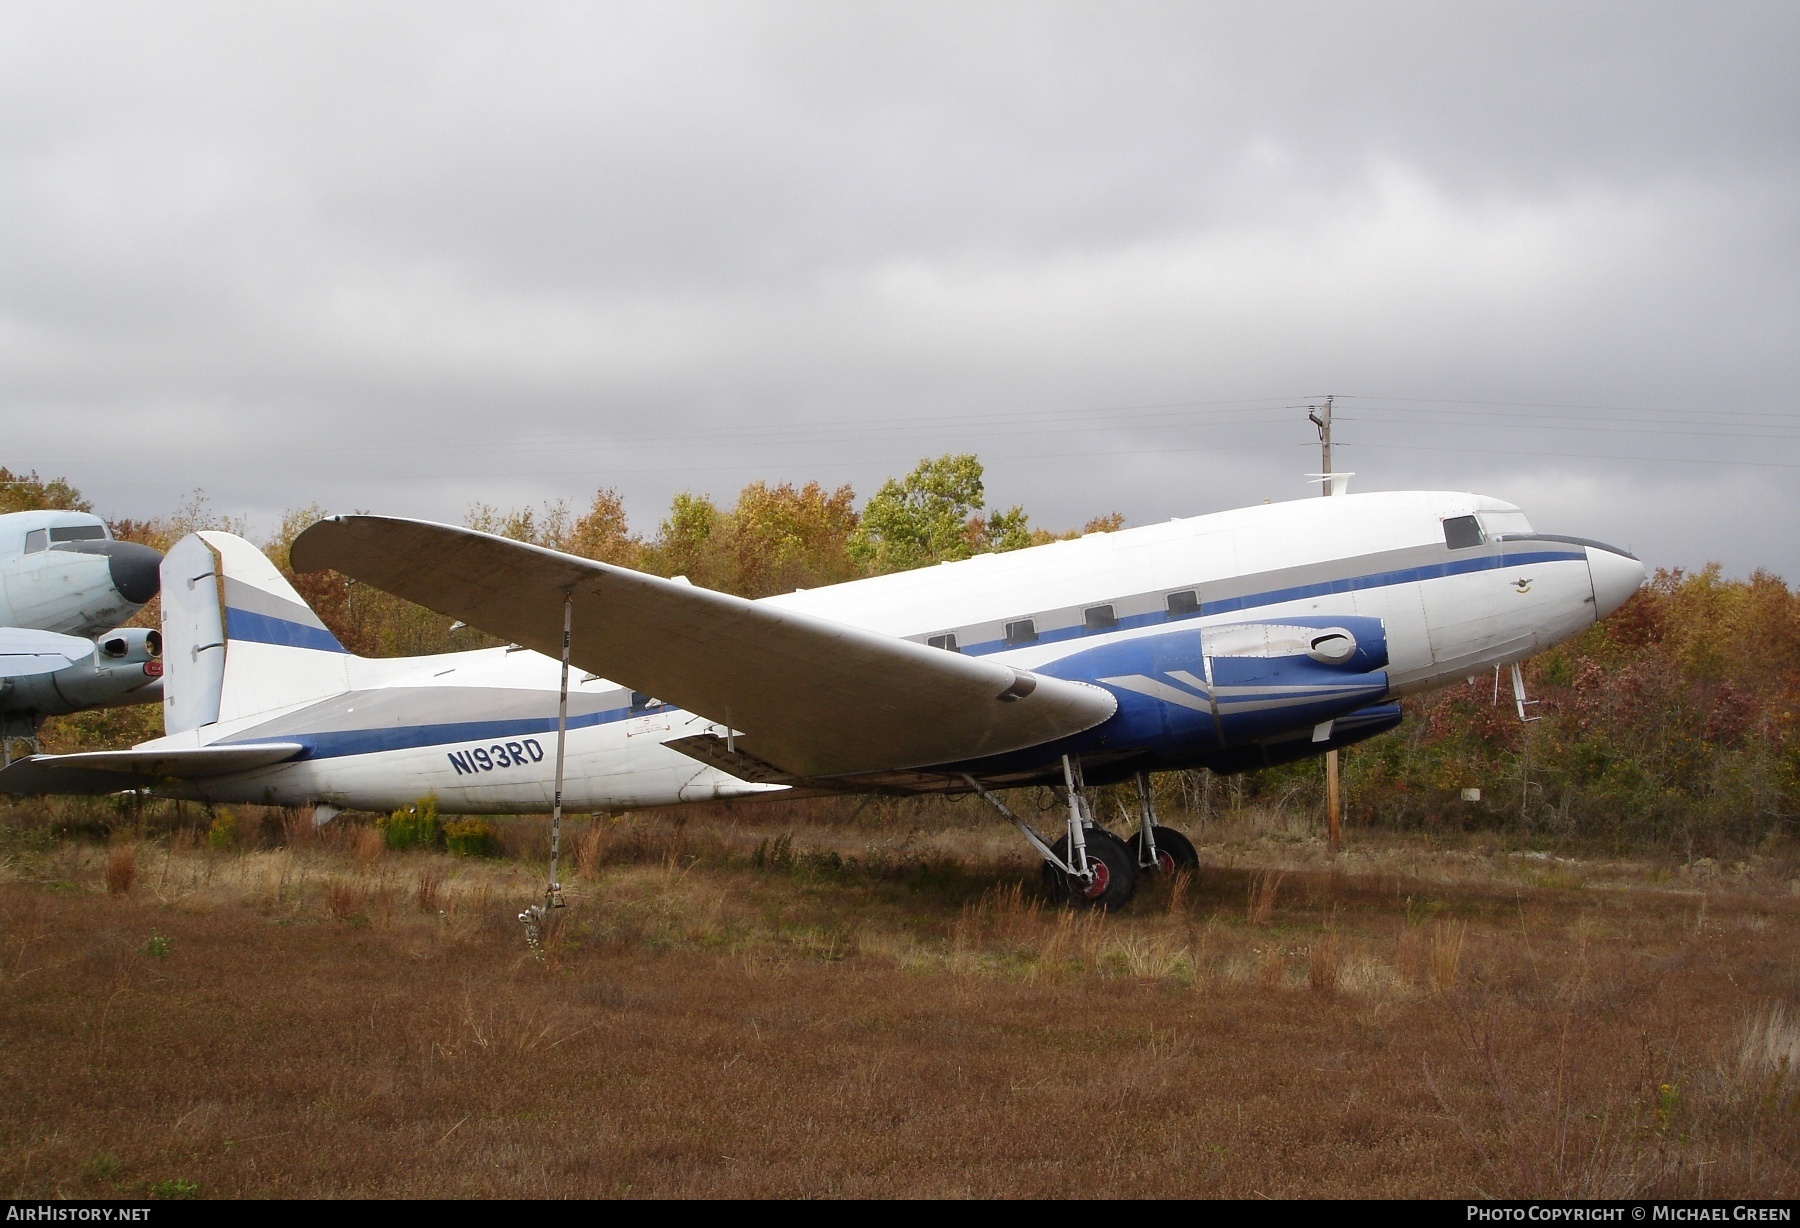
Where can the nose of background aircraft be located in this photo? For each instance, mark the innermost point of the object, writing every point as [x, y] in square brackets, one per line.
[1615, 575]
[136, 571]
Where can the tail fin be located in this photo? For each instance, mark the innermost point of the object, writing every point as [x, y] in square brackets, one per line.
[237, 639]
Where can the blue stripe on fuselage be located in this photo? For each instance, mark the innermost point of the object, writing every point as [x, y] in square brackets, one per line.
[264, 629]
[338, 743]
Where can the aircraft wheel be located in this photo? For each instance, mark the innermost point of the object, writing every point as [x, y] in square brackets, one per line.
[1114, 873]
[1174, 851]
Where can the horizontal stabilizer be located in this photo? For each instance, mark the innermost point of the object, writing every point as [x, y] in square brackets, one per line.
[24, 652]
[113, 771]
[807, 697]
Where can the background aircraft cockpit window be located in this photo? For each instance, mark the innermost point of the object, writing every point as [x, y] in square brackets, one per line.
[947, 642]
[1022, 632]
[35, 541]
[1099, 617]
[1461, 532]
[1184, 602]
[79, 533]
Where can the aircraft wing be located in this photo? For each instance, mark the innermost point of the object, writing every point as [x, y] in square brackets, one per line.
[24, 652]
[807, 697]
[113, 771]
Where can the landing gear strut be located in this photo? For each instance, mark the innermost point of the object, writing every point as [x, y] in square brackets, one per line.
[1087, 865]
[1158, 849]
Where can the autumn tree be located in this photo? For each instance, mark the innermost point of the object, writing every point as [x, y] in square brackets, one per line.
[932, 515]
[27, 492]
[774, 539]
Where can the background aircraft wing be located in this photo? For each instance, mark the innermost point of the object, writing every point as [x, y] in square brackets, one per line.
[809, 697]
[112, 771]
[24, 652]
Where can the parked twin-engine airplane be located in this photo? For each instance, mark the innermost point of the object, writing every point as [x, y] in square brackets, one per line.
[64, 580]
[1227, 641]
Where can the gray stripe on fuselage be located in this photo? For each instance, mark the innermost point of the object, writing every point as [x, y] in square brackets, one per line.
[253, 600]
[1333, 570]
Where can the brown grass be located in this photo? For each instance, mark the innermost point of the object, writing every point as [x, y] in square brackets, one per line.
[429, 897]
[346, 899]
[882, 1013]
[1446, 954]
[121, 869]
[1324, 964]
[1265, 885]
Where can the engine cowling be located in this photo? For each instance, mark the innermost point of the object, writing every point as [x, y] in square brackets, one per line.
[125, 667]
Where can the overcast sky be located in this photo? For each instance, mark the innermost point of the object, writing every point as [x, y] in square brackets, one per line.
[406, 258]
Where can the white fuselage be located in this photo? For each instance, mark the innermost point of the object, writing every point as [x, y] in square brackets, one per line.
[1459, 583]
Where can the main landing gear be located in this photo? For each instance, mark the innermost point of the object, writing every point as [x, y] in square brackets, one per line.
[1159, 849]
[1090, 866]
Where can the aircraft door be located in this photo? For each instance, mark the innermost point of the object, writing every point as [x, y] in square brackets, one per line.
[193, 625]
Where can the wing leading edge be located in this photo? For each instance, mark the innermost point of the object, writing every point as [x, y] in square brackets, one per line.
[811, 697]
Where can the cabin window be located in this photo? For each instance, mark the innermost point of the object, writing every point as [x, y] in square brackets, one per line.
[1185, 602]
[1099, 618]
[1022, 632]
[36, 540]
[946, 641]
[79, 533]
[1461, 532]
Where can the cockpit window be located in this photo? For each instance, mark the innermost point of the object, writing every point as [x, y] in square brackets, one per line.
[36, 540]
[79, 533]
[1461, 532]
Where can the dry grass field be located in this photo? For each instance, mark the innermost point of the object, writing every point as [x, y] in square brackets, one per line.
[737, 1003]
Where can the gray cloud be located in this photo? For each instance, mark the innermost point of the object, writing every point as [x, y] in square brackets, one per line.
[410, 257]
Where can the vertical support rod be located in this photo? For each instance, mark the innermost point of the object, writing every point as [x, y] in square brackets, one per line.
[553, 896]
[1333, 803]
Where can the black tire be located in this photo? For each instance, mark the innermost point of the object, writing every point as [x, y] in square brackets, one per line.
[1174, 852]
[1113, 867]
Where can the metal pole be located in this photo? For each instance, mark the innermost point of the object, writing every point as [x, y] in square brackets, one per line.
[554, 896]
[1333, 804]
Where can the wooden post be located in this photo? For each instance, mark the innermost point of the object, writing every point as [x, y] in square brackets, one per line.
[1332, 803]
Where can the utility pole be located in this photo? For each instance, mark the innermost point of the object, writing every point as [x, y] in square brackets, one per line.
[1320, 416]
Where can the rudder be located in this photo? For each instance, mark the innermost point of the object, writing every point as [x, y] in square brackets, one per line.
[238, 640]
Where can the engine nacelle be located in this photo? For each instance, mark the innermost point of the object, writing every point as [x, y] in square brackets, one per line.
[124, 667]
[1195, 692]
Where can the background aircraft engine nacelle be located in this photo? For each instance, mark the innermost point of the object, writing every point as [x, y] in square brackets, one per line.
[1191, 692]
[122, 667]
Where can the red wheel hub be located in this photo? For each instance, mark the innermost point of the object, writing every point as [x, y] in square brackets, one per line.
[1095, 887]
